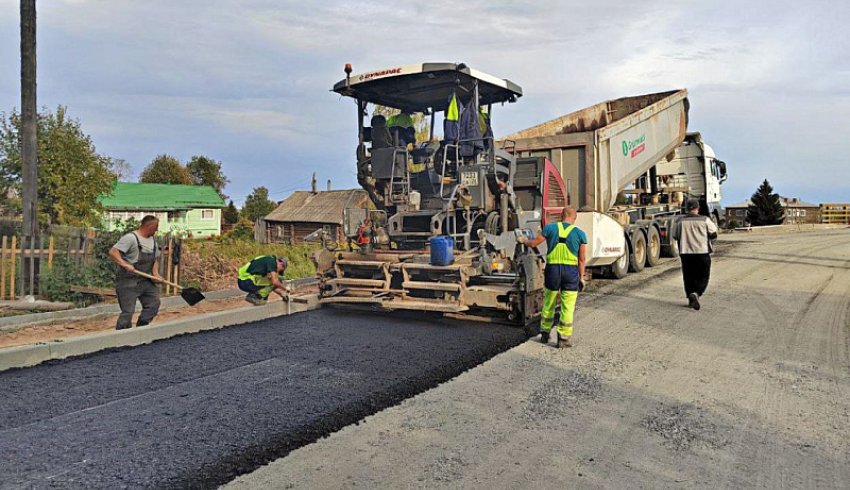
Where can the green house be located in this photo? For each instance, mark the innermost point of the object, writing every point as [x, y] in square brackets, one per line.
[188, 210]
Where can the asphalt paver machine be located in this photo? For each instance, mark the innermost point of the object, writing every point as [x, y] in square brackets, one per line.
[461, 186]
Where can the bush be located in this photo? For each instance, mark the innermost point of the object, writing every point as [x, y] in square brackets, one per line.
[100, 272]
[243, 230]
[55, 283]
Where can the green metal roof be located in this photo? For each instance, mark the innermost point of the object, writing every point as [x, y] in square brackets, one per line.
[130, 195]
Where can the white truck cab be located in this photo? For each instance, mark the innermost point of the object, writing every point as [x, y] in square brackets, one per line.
[695, 171]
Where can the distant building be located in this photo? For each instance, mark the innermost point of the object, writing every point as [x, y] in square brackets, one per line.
[304, 212]
[796, 211]
[835, 213]
[184, 209]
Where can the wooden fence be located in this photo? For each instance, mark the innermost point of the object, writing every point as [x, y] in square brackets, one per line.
[22, 262]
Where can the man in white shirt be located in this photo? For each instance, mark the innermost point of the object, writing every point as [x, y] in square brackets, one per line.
[137, 250]
[695, 234]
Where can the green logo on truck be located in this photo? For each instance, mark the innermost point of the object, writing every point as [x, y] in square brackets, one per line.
[634, 147]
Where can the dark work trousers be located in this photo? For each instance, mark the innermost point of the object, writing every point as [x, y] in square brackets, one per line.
[130, 289]
[696, 269]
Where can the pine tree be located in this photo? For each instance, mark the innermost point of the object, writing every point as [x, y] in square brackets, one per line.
[765, 207]
[257, 205]
[230, 214]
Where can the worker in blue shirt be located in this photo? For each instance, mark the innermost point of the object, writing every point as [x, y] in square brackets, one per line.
[564, 274]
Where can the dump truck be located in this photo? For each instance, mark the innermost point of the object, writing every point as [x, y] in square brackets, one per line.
[480, 192]
[629, 165]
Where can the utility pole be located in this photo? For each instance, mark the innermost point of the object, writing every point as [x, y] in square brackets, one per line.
[29, 150]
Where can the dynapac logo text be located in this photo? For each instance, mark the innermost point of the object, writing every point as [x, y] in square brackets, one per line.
[378, 74]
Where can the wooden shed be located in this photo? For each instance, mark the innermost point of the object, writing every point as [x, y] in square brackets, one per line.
[304, 212]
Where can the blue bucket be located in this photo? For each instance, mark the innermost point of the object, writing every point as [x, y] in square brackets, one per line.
[442, 250]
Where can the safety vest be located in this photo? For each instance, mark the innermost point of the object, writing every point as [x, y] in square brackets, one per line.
[482, 120]
[561, 254]
[400, 120]
[244, 275]
[453, 112]
[415, 168]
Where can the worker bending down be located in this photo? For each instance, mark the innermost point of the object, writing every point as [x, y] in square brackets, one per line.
[564, 274]
[262, 275]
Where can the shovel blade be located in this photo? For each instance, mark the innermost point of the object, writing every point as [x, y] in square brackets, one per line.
[192, 296]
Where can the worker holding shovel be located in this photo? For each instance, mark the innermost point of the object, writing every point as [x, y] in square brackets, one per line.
[136, 252]
[262, 275]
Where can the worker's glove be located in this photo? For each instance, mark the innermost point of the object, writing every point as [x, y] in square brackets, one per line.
[522, 239]
[582, 285]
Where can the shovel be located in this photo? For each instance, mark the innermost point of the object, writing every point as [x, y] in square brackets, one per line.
[192, 296]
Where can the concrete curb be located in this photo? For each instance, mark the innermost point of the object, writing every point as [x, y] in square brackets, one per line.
[12, 323]
[30, 355]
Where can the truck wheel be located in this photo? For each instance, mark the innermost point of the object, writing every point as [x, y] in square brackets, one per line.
[637, 253]
[620, 268]
[653, 247]
[671, 250]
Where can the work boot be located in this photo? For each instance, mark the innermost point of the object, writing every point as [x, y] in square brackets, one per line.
[255, 299]
[564, 342]
[693, 301]
[544, 337]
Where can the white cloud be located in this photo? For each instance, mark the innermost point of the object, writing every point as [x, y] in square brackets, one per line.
[250, 79]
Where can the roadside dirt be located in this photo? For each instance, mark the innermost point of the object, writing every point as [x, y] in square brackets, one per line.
[751, 391]
[72, 328]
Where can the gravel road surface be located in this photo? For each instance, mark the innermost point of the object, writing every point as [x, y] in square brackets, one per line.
[752, 391]
[198, 410]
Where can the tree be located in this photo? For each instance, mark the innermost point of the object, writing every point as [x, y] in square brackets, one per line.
[766, 208]
[230, 214]
[258, 205]
[122, 169]
[165, 169]
[71, 174]
[206, 171]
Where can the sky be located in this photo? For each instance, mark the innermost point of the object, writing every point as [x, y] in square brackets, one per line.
[248, 82]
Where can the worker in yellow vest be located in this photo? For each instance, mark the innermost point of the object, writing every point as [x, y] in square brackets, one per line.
[401, 120]
[262, 275]
[564, 274]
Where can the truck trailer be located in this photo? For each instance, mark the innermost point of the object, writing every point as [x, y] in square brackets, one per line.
[628, 166]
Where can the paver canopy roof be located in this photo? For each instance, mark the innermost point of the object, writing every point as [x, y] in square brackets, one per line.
[417, 88]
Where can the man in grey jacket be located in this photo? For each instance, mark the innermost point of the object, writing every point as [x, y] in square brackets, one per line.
[694, 234]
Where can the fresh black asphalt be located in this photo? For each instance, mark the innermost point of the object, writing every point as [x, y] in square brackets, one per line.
[197, 410]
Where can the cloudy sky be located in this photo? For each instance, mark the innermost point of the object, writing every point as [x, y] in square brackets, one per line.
[247, 82]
